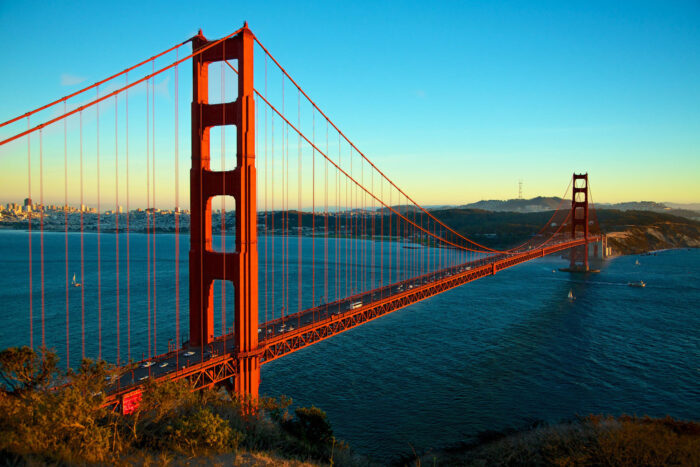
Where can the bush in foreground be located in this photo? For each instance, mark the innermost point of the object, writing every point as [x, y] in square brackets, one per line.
[51, 416]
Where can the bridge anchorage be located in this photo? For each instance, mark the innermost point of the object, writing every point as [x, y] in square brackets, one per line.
[342, 244]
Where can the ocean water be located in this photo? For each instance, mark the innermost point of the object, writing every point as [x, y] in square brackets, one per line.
[496, 353]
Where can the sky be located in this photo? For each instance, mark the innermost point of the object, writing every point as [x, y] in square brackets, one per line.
[455, 101]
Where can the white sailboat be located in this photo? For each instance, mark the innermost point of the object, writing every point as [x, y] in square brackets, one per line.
[74, 283]
[571, 296]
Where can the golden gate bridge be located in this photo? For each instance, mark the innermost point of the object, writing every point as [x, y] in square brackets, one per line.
[342, 243]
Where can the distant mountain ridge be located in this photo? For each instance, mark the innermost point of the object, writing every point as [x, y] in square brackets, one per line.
[550, 203]
[540, 203]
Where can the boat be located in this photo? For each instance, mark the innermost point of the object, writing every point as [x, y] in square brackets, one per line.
[74, 283]
[571, 296]
[637, 284]
[636, 262]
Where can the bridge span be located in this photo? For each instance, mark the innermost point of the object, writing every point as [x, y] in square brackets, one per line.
[293, 173]
[282, 336]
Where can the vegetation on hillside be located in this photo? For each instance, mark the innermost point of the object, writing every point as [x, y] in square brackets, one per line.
[49, 416]
[592, 440]
[506, 229]
[52, 416]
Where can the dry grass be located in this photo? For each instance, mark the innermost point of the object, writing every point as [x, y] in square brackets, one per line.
[593, 440]
[238, 459]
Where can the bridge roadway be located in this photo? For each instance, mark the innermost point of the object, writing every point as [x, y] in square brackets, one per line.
[286, 335]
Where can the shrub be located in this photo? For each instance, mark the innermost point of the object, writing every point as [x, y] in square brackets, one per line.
[61, 424]
[199, 431]
[56, 417]
[311, 427]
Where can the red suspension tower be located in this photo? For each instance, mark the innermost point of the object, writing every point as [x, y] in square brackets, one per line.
[206, 265]
[579, 220]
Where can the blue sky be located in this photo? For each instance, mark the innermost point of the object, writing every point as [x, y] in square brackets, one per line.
[456, 101]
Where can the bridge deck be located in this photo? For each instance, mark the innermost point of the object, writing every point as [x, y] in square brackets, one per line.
[283, 336]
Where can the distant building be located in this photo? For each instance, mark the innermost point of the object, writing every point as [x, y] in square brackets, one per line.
[28, 202]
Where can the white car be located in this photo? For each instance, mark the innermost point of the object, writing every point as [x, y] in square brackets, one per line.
[143, 378]
[147, 364]
[188, 353]
[163, 365]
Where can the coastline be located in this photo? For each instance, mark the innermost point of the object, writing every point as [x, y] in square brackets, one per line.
[634, 241]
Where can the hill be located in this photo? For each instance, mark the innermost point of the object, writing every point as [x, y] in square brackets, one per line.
[628, 231]
[548, 203]
[591, 440]
[540, 203]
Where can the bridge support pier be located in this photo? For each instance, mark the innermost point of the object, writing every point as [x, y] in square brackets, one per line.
[207, 265]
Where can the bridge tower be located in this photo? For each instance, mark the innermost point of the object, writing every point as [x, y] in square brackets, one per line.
[579, 220]
[206, 265]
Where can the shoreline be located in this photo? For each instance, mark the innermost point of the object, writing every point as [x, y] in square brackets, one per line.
[186, 231]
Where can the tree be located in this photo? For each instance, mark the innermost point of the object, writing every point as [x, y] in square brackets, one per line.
[22, 369]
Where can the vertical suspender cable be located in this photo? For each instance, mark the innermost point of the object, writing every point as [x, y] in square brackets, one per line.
[99, 250]
[337, 227]
[273, 290]
[390, 246]
[82, 246]
[177, 211]
[148, 219]
[381, 236]
[284, 212]
[128, 233]
[153, 225]
[286, 222]
[372, 233]
[313, 211]
[299, 221]
[365, 224]
[41, 244]
[29, 225]
[284, 233]
[117, 212]
[325, 235]
[346, 239]
[65, 218]
[350, 230]
[267, 231]
[356, 197]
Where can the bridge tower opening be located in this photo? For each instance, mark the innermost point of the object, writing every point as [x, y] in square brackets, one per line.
[206, 265]
[579, 221]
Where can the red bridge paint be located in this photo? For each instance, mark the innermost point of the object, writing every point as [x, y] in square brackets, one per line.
[433, 258]
[206, 266]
